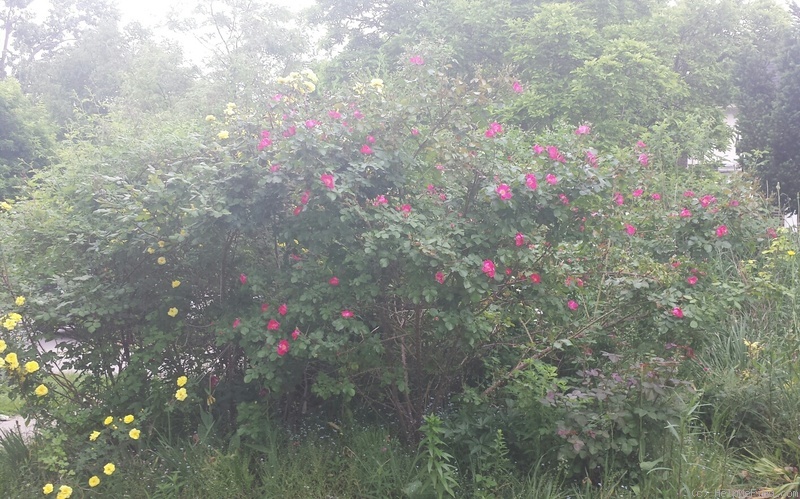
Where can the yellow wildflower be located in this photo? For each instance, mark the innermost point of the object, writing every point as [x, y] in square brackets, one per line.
[182, 381]
[2, 362]
[11, 320]
[5, 206]
[109, 468]
[181, 394]
[108, 420]
[161, 260]
[161, 244]
[64, 492]
[19, 301]
[31, 366]
[47, 489]
[41, 391]
[94, 481]
[3, 346]
[172, 312]
[211, 118]
[128, 419]
[309, 86]
[223, 135]
[11, 360]
[134, 434]
[310, 75]
[94, 435]
[790, 253]
[377, 84]
[176, 283]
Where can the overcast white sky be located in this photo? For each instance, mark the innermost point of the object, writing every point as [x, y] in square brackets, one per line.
[153, 12]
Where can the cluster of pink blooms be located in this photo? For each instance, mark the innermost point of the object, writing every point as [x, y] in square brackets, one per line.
[265, 140]
[495, 128]
[416, 60]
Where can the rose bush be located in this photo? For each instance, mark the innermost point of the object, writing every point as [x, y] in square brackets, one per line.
[389, 248]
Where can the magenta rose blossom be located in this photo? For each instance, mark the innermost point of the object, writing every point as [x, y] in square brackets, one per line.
[488, 268]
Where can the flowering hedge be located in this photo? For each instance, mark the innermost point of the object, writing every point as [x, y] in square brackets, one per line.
[389, 247]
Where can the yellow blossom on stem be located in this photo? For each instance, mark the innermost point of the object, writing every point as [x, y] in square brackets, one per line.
[161, 260]
[19, 301]
[12, 362]
[41, 391]
[151, 250]
[176, 283]
[181, 394]
[94, 481]
[172, 312]
[211, 117]
[31, 367]
[181, 381]
[94, 435]
[109, 468]
[108, 420]
[223, 135]
[47, 489]
[128, 419]
[5, 206]
[161, 244]
[134, 434]
[64, 492]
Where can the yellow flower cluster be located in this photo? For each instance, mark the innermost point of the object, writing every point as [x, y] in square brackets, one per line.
[5, 206]
[304, 82]
[19, 301]
[181, 394]
[11, 320]
[172, 312]
[64, 491]
[753, 348]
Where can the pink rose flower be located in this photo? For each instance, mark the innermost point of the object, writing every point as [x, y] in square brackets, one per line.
[517, 87]
[440, 277]
[677, 312]
[583, 130]
[347, 314]
[283, 347]
[273, 325]
[296, 334]
[572, 305]
[283, 309]
[504, 191]
[488, 268]
[551, 179]
[327, 180]
[243, 278]
[366, 149]
[536, 278]
[630, 229]
[722, 231]
[530, 181]
[333, 281]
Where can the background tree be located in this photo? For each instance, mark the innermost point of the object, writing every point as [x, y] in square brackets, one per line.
[27, 138]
